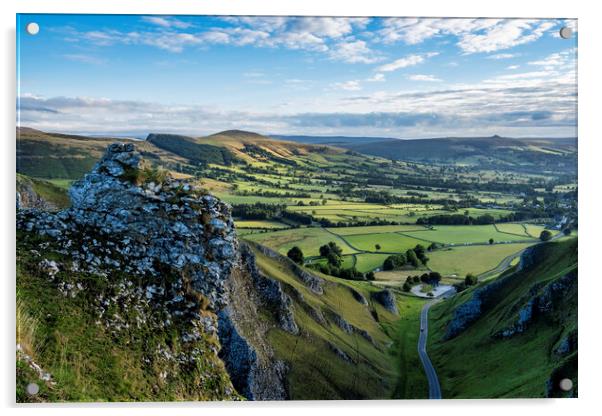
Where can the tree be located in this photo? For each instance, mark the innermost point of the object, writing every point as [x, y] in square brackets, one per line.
[470, 279]
[370, 276]
[333, 259]
[377, 246]
[434, 278]
[567, 231]
[491, 241]
[412, 258]
[394, 261]
[545, 235]
[296, 255]
[407, 287]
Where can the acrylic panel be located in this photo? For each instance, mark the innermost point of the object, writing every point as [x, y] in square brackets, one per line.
[295, 208]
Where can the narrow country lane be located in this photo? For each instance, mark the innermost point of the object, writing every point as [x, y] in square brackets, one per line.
[431, 374]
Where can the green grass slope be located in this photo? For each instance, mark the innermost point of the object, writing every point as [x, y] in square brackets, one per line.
[186, 147]
[327, 362]
[480, 362]
[47, 191]
[62, 336]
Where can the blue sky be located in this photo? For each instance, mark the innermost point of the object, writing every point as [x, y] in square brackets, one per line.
[393, 77]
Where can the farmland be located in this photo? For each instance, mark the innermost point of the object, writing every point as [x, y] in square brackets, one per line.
[460, 261]
[287, 194]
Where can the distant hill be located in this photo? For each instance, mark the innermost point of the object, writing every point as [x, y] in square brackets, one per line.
[332, 140]
[487, 152]
[66, 156]
[188, 148]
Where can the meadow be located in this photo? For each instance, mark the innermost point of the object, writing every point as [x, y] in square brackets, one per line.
[460, 261]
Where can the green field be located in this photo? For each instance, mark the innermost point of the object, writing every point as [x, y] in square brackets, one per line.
[367, 262]
[260, 224]
[389, 242]
[308, 239]
[513, 228]
[376, 229]
[460, 261]
[461, 234]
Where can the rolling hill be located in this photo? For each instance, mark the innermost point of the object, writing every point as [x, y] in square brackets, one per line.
[486, 152]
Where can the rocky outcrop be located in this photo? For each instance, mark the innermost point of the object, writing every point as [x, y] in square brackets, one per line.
[387, 299]
[120, 220]
[170, 257]
[313, 282]
[358, 296]
[469, 311]
[541, 302]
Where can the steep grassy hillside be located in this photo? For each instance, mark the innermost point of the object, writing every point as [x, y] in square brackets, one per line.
[62, 156]
[187, 148]
[350, 346]
[36, 193]
[515, 336]
[64, 348]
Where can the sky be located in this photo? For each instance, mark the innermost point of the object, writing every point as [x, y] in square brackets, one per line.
[387, 77]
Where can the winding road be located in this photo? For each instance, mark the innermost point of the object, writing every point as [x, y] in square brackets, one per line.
[431, 374]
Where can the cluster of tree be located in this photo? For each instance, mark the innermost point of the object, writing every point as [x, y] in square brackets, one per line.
[431, 278]
[257, 211]
[299, 217]
[385, 198]
[325, 222]
[413, 257]
[333, 255]
[469, 280]
[350, 273]
[273, 194]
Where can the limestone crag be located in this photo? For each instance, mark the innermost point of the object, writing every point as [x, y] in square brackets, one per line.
[166, 254]
[114, 221]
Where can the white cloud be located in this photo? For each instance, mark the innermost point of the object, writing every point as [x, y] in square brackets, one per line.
[378, 77]
[474, 35]
[556, 60]
[503, 56]
[354, 52]
[348, 85]
[423, 77]
[405, 62]
[332, 36]
[513, 67]
[505, 35]
[166, 22]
